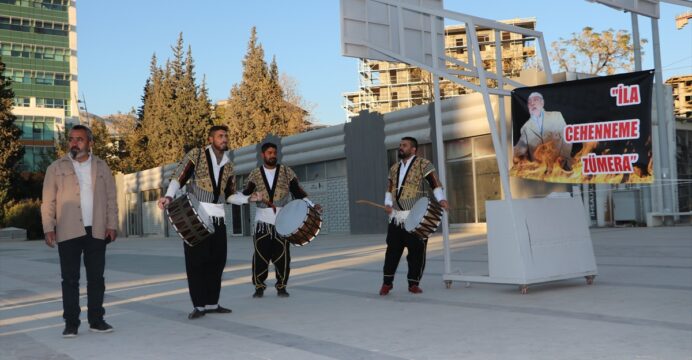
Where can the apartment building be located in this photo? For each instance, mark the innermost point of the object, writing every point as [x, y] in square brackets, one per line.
[38, 44]
[682, 95]
[387, 86]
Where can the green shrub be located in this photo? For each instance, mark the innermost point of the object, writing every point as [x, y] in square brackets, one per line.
[25, 214]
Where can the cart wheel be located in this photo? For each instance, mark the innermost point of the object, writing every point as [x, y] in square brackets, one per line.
[448, 284]
[589, 279]
[524, 289]
[467, 284]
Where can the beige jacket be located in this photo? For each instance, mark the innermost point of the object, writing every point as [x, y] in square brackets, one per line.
[60, 209]
[532, 136]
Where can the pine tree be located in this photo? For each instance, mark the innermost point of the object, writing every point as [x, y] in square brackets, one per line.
[247, 111]
[136, 157]
[133, 138]
[11, 151]
[105, 146]
[153, 123]
[176, 113]
[257, 106]
[275, 101]
[194, 112]
[204, 109]
[145, 94]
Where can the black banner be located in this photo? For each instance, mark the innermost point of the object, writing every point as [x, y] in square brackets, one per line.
[595, 130]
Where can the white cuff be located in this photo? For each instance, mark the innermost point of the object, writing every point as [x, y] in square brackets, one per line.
[388, 199]
[439, 194]
[238, 198]
[173, 188]
[309, 202]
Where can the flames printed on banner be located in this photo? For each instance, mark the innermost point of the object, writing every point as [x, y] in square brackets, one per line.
[547, 167]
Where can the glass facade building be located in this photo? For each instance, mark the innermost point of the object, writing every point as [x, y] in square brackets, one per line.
[38, 44]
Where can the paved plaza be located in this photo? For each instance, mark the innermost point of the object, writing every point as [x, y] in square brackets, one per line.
[640, 306]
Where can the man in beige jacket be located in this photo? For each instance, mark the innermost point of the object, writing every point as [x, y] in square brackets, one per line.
[79, 213]
[543, 127]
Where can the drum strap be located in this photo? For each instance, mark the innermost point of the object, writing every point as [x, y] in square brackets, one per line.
[403, 182]
[214, 184]
[193, 177]
[194, 168]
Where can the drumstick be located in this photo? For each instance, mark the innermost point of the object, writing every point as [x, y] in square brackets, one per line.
[368, 202]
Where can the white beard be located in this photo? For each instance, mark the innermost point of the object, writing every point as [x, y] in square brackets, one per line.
[537, 119]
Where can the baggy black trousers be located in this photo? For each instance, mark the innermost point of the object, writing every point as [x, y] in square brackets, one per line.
[270, 247]
[399, 239]
[204, 264]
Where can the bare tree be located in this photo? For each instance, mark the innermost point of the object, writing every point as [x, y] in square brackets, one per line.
[592, 52]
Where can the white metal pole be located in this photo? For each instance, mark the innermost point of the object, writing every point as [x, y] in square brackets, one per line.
[500, 85]
[497, 144]
[645, 191]
[663, 122]
[441, 170]
[546, 60]
[672, 150]
[636, 42]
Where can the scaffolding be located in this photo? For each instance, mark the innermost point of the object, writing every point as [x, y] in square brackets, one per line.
[389, 86]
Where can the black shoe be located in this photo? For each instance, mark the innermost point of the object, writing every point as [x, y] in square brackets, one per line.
[101, 327]
[259, 292]
[70, 331]
[219, 310]
[195, 314]
[282, 292]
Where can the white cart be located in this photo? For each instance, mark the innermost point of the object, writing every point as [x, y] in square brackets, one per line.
[538, 241]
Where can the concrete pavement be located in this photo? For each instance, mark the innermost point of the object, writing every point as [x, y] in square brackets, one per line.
[640, 306]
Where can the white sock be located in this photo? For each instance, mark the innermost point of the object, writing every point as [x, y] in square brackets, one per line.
[212, 307]
[199, 308]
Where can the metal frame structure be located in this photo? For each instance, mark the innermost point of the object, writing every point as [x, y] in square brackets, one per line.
[377, 85]
[392, 46]
[473, 68]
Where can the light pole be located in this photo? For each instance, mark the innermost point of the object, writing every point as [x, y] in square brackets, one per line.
[83, 101]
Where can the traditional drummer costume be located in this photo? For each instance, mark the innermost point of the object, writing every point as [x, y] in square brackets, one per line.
[278, 187]
[211, 182]
[406, 186]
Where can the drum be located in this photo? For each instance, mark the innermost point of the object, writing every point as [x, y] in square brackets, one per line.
[424, 218]
[298, 222]
[189, 219]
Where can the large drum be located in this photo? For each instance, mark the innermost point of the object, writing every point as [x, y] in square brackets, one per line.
[298, 222]
[424, 218]
[189, 219]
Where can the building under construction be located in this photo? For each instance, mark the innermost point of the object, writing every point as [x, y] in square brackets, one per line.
[682, 110]
[682, 96]
[388, 86]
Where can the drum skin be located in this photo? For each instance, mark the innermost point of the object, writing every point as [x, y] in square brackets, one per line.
[187, 219]
[298, 222]
[424, 218]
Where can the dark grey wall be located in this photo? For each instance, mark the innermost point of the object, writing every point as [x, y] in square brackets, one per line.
[366, 161]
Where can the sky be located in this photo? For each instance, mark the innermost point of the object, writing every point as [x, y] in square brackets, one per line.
[116, 40]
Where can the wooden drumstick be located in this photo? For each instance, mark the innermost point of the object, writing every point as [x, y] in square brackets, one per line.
[368, 202]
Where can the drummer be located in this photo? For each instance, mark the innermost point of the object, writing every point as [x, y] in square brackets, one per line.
[208, 174]
[406, 186]
[270, 186]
